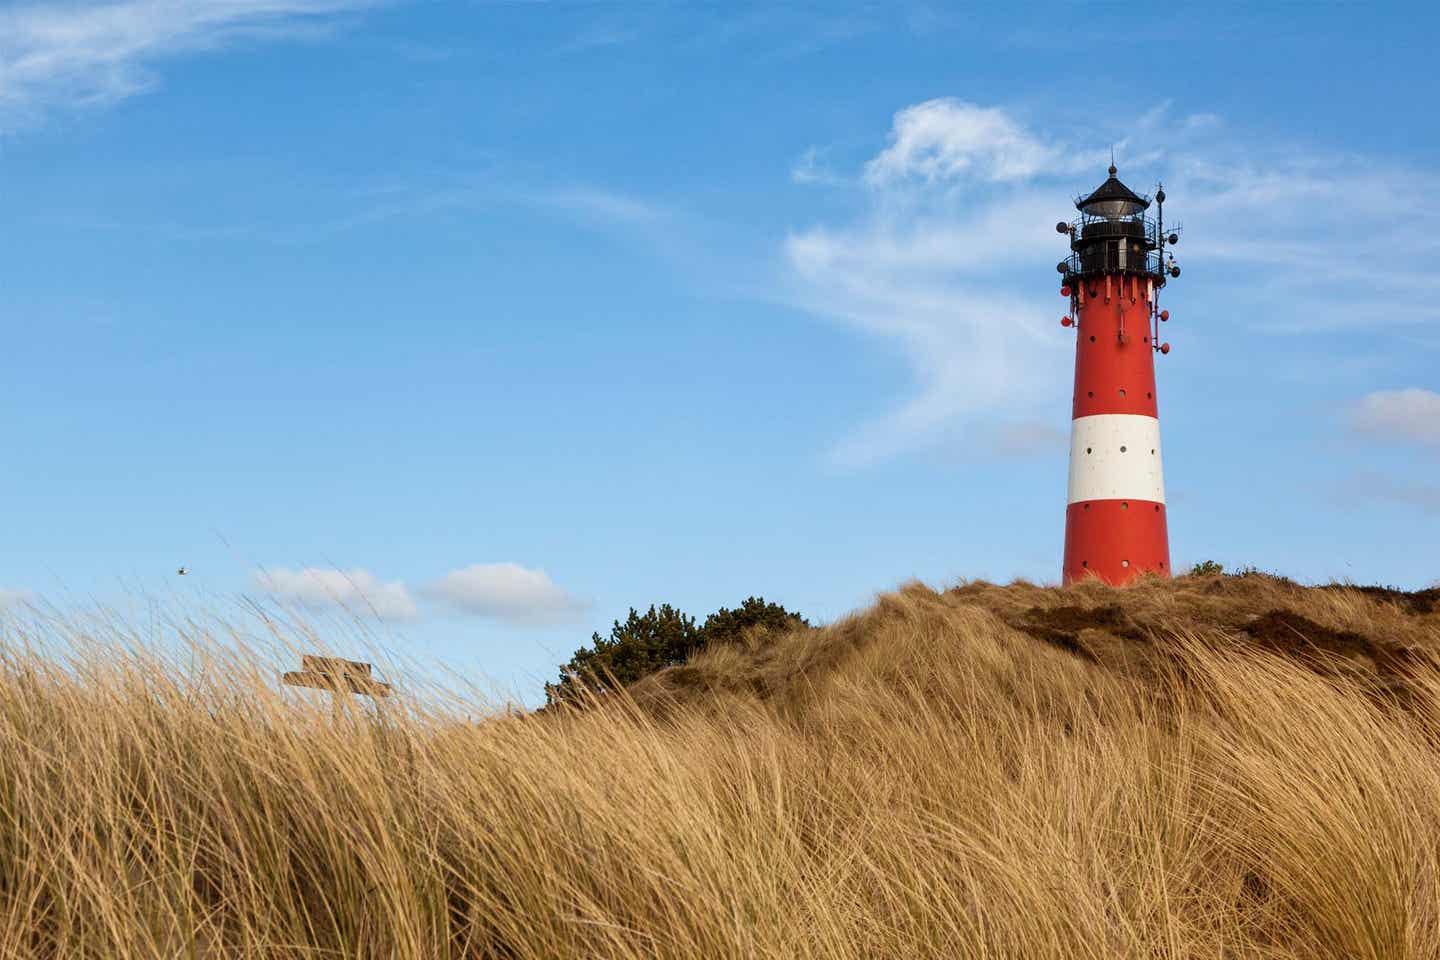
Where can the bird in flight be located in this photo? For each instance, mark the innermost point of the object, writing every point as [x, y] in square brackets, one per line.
[182, 571]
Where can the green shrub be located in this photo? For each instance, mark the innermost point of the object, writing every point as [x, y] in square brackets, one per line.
[731, 626]
[661, 637]
[1208, 568]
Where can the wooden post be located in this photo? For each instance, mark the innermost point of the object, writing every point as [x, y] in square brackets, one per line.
[337, 675]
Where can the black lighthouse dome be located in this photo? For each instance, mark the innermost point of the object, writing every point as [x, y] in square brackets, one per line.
[1112, 199]
[1115, 235]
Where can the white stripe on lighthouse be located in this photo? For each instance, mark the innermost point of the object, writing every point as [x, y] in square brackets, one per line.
[1115, 456]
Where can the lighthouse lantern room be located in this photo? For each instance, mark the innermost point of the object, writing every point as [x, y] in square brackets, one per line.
[1115, 525]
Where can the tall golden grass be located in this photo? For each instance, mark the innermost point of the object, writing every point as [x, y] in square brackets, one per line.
[985, 772]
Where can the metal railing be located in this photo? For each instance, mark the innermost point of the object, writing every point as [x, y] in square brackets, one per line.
[1106, 259]
[1136, 226]
[1116, 229]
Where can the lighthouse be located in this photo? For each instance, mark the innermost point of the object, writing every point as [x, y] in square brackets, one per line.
[1115, 526]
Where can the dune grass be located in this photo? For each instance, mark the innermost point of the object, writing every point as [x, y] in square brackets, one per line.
[984, 772]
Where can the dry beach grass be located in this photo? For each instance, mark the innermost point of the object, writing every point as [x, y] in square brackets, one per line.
[1206, 767]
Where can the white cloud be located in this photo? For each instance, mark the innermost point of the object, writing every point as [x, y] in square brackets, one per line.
[356, 591]
[926, 265]
[945, 139]
[95, 52]
[1408, 416]
[508, 592]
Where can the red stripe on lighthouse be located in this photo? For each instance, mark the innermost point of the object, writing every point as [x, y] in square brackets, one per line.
[1115, 540]
[1111, 376]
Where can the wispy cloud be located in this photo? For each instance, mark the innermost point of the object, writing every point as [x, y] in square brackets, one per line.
[1410, 416]
[355, 591]
[88, 53]
[811, 168]
[948, 209]
[378, 205]
[590, 203]
[506, 592]
[952, 235]
[1300, 211]
[969, 348]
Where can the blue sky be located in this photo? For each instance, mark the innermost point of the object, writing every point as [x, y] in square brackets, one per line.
[497, 319]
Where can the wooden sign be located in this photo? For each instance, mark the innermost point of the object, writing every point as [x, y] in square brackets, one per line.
[336, 675]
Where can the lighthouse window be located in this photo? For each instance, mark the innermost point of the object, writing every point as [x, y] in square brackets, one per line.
[1124, 563]
[1122, 391]
[1124, 505]
[1122, 449]
[1090, 393]
[1087, 449]
[1092, 338]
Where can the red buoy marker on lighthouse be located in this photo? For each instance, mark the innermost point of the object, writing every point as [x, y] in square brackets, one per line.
[1115, 525]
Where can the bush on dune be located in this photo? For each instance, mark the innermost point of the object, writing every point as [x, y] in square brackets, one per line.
[660, 638]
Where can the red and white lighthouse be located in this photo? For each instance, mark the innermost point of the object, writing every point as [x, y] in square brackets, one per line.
[1115, 520]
